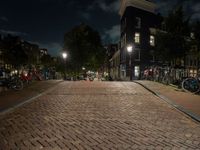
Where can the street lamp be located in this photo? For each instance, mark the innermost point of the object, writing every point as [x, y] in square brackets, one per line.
[129, 50]
[64, 55]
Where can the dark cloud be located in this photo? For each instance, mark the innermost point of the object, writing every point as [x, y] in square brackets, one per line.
[195, 8]
[105, 6]
[85, 15]
[164, 6]
[47, 21]
[3, 18]
[191, 7]
[16, 33]
[112, 34]
[53, 47]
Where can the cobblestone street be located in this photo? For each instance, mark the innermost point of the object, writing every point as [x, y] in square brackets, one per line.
[98, 115]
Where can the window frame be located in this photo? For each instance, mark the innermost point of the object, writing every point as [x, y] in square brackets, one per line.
[137, 38]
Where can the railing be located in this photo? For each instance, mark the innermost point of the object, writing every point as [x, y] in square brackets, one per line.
[178, 77]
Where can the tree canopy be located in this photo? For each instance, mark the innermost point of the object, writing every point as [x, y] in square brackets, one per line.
[196, 32]
[172, 43]
[196, 36]
[84, 47]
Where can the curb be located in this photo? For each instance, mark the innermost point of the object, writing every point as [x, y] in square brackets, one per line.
[28, 100]
[180, 108]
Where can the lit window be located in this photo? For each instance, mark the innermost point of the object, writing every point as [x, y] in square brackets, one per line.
[152, 40]
[137, 37]
[137, 71]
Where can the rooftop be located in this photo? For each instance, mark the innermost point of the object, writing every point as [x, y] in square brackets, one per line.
[147, 5]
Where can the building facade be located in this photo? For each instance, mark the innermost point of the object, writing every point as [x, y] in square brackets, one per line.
[32, 51]
[1, 51]
[193, 62]
[138, 17]
[110, 51]
[115, 66]
[13, 48]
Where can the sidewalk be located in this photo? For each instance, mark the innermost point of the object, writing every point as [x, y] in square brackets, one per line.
[9, 99]
[187, 102]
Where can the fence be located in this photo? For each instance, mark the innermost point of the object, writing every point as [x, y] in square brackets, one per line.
[165, 75]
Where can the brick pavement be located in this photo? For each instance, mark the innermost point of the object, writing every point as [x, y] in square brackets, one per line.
[189, 101]
[98, 115]
[10, 98]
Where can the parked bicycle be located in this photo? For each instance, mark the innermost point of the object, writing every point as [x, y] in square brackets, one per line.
[12, 82]
[191, 85]
[166, 79]
[28, 76]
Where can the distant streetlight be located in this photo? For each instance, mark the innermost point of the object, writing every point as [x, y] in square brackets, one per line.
[64, 55]
[130, 50]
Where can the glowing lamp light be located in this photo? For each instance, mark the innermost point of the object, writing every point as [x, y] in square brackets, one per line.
[64, 55]
[129, 49]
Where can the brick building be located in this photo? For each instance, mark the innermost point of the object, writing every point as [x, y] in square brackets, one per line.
[138, 17]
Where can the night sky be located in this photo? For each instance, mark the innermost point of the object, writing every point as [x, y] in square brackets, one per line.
[44, 22]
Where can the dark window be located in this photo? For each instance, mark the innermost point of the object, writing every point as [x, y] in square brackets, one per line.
[138, 22]
[137, 55]
[191, 62]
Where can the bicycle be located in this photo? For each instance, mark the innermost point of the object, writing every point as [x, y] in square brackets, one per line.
[13, 82]
[166, 79]
[191, 84]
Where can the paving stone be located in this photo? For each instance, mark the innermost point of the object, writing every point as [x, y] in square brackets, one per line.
[98, 115]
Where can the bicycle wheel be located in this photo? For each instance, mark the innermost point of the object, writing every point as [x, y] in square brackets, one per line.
[191, 85]
[18, 85]
[165, 80]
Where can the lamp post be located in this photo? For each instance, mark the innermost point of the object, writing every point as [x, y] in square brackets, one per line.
[64, 55]
[129, 50]
[84, 73]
